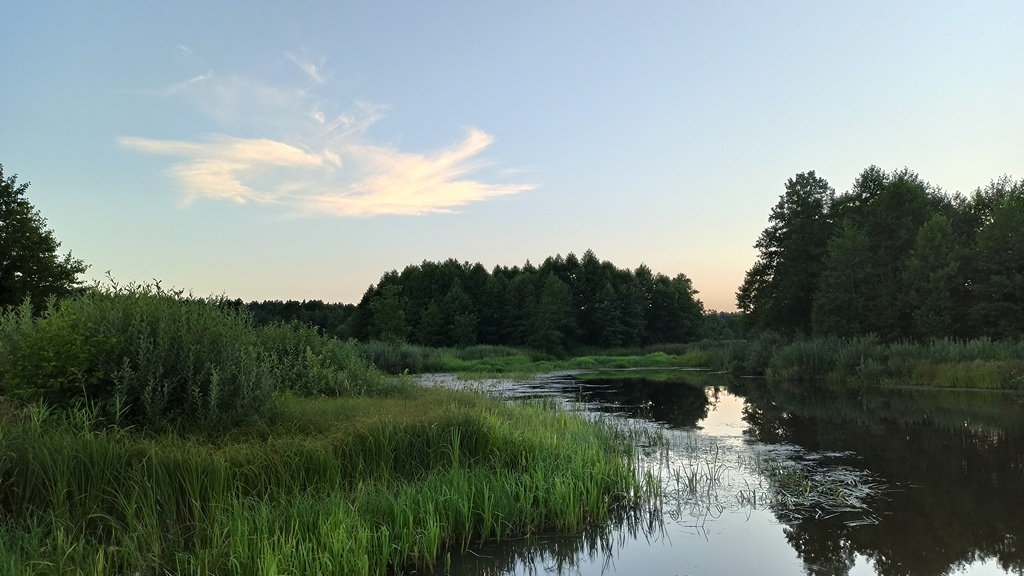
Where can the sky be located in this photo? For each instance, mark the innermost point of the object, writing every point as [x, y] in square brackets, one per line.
[299, 150]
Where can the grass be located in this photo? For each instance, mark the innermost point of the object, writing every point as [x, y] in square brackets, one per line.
[333, 486]
[945, 363]
[484, 361]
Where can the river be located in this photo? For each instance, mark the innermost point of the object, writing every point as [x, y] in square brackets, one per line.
[761, 478]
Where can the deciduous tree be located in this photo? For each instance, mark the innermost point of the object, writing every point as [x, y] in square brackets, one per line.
[30, 265]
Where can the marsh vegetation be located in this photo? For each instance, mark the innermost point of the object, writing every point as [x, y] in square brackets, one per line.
[151, 432]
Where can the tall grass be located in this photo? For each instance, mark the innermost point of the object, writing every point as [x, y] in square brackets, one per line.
[336, 486]
[943, 362]
[158, 359]
[398, 358]
[981, 363]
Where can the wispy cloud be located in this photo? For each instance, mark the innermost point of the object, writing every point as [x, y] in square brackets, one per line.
[304, 64]
[312, 159]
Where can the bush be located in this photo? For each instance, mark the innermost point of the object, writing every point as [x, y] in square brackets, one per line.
[308, 364]
[148, 357]
[393, 357]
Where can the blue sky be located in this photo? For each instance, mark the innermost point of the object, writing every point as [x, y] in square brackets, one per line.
[299, 150]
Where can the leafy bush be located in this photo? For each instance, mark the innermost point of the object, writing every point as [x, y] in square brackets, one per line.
[308, 364]
[151, 355]
[393, 357]
[156, 359]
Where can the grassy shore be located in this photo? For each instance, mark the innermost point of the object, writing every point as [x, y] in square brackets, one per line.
[397, 358]
[943, 363]
[148, 432]
[334, 486]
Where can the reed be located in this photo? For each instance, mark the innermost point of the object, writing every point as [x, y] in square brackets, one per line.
[944, 362]
[334, 486]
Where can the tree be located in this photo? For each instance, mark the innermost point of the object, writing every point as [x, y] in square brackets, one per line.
[388, 315]
[843, 302]
[998, 283]
[30, 266]
[890, 208]
[554, 320]
[932, 277]
[778, 290]
[459, 316]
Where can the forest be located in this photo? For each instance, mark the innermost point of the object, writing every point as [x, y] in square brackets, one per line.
[560, 305]
[894, 257]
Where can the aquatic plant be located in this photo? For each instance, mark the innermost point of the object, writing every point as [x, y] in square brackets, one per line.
[334, 486]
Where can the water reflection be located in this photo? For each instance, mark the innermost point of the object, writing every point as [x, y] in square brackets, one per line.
[957, 456]
[952, 464]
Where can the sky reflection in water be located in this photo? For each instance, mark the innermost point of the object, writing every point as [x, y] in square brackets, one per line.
[936, 482]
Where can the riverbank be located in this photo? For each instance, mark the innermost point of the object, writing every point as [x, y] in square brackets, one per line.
[941, 363]
[334, 486]
[483, 361]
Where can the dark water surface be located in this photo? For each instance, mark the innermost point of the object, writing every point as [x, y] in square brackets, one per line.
[764, 478]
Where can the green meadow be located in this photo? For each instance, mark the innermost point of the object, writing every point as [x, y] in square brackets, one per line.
[143, 432]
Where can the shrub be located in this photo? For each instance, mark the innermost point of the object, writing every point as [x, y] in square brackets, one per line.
[393, 357]
[308, 364]
[156, 359]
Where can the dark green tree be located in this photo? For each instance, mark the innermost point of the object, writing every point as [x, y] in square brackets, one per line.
[890, 208]
[554, 321]
[843, 300]
[387, 312]
[459, 316]
[778, 291]
[522, 301]
[607, 318]
[998, 282]
[493, 308]
[933, 281]
[632, 304]
[30, 266]
[432, 331]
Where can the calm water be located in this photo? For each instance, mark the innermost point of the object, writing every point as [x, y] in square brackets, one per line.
[766, 479]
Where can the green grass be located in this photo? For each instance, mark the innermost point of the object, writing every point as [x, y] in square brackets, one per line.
[485, 361]
[332, 486]
[980, 363]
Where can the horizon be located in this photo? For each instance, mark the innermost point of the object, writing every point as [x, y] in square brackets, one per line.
[300, 152]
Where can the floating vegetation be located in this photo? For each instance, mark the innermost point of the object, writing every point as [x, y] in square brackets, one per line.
[697, 476]
[702, 477]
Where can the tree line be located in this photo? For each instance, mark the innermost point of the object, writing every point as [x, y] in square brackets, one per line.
[560, 305]
[894, 257]
[557, 306]
[329, 318]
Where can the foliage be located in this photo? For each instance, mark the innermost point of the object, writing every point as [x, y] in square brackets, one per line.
[998, 258]
[894, 257]
[846, 297]
[308, 364]
[155, 358]
[330, 318]
[338, 486]
[30, 266]
[941, 362]
[554, 308]
[778, 290]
